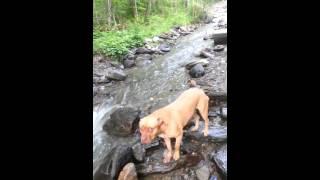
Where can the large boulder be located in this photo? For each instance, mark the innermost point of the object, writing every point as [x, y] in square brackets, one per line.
[113, 163]
[123, 122]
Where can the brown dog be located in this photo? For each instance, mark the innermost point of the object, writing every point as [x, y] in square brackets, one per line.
[169, 121]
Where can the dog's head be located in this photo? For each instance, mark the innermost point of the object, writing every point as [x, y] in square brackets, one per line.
[149, 128]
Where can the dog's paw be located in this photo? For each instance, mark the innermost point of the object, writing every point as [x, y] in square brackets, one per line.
[194, 128]
[205, 133]
[166, 159]
[167, 156]
[176, 155]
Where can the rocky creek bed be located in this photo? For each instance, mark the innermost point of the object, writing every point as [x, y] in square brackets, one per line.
[150, 77]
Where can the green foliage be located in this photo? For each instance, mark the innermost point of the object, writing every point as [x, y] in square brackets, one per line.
[126, 32]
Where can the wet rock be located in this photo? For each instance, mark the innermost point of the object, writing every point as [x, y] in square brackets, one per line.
[165, 36]
[142, 63]
[213, 178]
[218, 133]
[206, 54]
[156, 165]
[221, 159]
[117, 75]
[128, 172]
[164, 48]
[197, 53]
[216, 96]
[138, 152]
[203, 62]
[154, 143]
[143, 57]
[197, 71]
[203, 173]
[115, 64]
[218, 48]
[100, 80]
[128, 63]
[113, 163]
[220, 37]
[224, 112]
[143, 50]
[185, 33]
[215, 133]
[98, 58]
[123, 122]
[129, 56]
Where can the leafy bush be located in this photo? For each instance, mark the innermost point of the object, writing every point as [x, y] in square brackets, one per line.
[116, 43]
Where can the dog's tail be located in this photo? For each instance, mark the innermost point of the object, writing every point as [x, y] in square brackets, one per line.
[192, 83]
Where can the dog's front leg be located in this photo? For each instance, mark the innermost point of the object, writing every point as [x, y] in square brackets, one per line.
[176, 154]
[168, 154]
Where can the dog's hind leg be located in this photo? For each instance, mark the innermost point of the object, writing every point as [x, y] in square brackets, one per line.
[196, 118]
[203, 111]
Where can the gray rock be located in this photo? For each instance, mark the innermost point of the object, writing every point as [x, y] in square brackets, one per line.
[113, 163]
[143, 50]
[197, 71]
[123, 122]
[203, 173]
[164, 48]
[100, 80]
[156, 165]
[224, 112]
[218, 48]
[138, 152]
[129, 56]
[221, 159]
[128, 63]
[203, 62]
[220, 37]
[141, 63]
[117, 75]
[143, 57]
[215, 133]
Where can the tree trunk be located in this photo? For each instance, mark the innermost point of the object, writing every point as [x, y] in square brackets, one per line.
[96, 12]
[148, 10]
[109, 12]
[135, 9]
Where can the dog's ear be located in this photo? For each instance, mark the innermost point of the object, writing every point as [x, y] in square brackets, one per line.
[160, 123]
